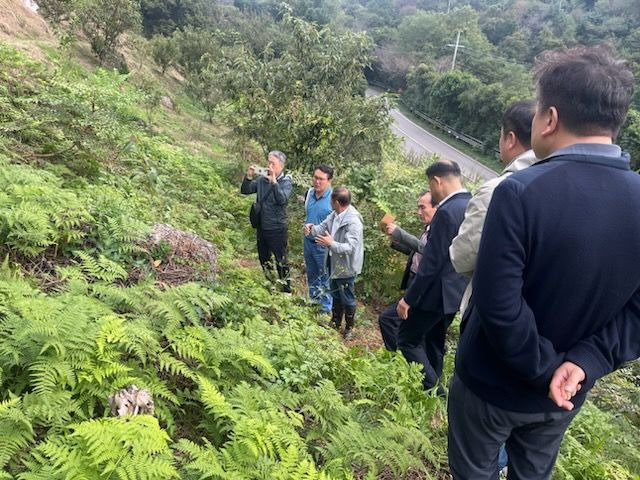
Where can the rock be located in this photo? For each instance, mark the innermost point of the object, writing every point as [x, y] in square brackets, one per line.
[167, 102]
[31, 5]
[131, 401]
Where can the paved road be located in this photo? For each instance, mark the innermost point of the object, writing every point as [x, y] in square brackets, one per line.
[419, 141]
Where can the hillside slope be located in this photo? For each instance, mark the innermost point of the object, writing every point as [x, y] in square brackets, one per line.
[246, 383]
[22, 26]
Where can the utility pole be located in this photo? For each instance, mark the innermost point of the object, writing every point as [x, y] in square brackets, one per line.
[455, 51]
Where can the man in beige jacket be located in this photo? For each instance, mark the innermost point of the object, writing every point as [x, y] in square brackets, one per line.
[516, 154]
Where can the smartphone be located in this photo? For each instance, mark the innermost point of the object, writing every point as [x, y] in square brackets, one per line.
[263, 171]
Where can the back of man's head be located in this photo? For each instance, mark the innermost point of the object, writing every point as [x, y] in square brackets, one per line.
[444, 169]
[589, 87]
[517, 118]
[444, 179]
[342, 196]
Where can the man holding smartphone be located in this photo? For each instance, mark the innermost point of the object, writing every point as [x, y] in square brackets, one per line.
[272, 191]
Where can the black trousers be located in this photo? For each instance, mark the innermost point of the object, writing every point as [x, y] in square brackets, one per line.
[389, 323]
[421, 339]
[477, 429]
[273, 243]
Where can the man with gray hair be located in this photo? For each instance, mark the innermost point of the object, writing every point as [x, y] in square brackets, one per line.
[272, 194]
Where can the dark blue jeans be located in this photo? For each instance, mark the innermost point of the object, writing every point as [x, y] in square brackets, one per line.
[343, 291]
[315, 257]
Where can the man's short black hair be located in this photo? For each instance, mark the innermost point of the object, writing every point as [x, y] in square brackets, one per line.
[443, 168]
[589, 87]
[341, 195]
[325, 169]
[517, 118]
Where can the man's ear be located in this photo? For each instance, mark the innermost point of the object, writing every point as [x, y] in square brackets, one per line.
[510, 140]
[550, 121]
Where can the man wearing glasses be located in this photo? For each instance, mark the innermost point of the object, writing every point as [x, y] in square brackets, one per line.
[317, 207]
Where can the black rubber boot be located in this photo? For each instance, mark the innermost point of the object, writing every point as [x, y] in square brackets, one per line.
[350, 320]
[337, 310]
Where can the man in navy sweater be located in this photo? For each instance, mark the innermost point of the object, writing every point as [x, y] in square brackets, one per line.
[556, 291]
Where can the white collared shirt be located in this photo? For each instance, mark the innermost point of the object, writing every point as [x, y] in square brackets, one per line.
[441, 202]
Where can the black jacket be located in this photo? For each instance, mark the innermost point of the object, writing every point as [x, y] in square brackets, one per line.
[437, 287]
[273, 198]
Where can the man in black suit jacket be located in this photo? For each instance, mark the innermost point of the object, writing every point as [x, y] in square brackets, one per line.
[432, 300]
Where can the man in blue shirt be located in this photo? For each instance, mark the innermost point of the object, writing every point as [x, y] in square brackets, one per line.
[556, 289]
[318, 206]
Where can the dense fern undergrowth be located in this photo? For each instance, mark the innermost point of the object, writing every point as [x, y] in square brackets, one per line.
[246, 384]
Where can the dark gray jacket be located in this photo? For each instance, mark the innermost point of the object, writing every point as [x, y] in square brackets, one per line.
[273, 197]
[404, 242]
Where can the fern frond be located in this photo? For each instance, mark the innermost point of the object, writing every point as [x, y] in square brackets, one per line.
[203, 461]
[168, 363]
[49, 374]
[17, 430]
[101, 269]
[129, 448]
[214, 401]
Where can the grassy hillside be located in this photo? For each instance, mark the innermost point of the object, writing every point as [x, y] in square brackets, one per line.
[246, 383]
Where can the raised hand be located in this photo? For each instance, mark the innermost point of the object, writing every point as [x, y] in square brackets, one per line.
[325, 240]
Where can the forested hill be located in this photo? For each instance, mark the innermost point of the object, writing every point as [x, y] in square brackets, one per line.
[499, 41]
[128, 260]
[413, 45]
